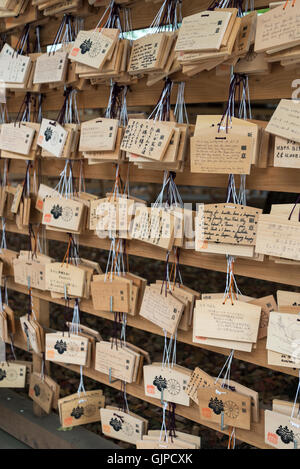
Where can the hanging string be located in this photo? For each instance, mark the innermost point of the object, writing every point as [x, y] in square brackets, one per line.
[231, 290]
[163, 437]
[180, 111]
[168, 17]
[162, 110]
[227, 366]
[231, 441]
[172, 420]
[65, 184]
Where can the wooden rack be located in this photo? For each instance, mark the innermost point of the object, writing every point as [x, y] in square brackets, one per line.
[207, 88]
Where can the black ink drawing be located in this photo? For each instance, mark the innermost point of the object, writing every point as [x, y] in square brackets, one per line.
[216, 405]
[86, 46]
[160, 383]
[116, 424]
[37, 390]
[56, 211]
[2, 374]
[61, 347]
[286, 435]
[77, 412]
[48, 134]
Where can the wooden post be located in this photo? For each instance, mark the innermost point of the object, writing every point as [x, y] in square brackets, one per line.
[42, 312]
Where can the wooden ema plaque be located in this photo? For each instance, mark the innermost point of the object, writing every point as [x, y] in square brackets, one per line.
[164, 310]
[40, 392]
[238, 321]
[80, 409]
[148, 138]
[220, 405]
[167, 383]
[122, 426]
[67, 348]
[227, 223]
[12, 375]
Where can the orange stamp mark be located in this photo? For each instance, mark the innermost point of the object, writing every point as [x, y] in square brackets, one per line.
[106, 428]
[31, 392]
[272, 438]
[68, 421]
[75, 51]
[47, 217]
[50, 354]
[40, 204]
[150, 389]
[41, 138]
[204, 245]
[206, 412]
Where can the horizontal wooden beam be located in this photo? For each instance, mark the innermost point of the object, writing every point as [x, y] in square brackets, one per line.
[205, 88]
[253, 437]
[264, 179]
[257, 357]
[17, 419]
[142, 15]
[266, 270]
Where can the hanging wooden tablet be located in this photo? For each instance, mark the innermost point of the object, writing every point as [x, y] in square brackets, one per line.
[285, 120]
[281, 359]
[284, 334]
[16, 138]
[228, 223]
[32, 334]
[286, 153]
[147, 138]
[52, 137]
[40, 392]
[63, 213]
[65, 278]
[119, 362]
[122, 426]
[203, 31]
[153, 225]
[238, 321]
[92, 48]
[80, 409]
[167, 383]
[66, 348]
[12, 375]
[32, 267]
[278, 236]
[51, 68]
[44, 192]
[281, 430]
[198, 379]
[223, 154]
[146, 53]
[217, 404]
[162, 309]
[14, 68]
[268, 304]
[98, 135]
[286, 298]
[273, 31]
[111, 294]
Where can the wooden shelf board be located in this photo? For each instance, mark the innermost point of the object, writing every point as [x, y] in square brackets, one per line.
[266, 270]
[257, 357]
[253, 437]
